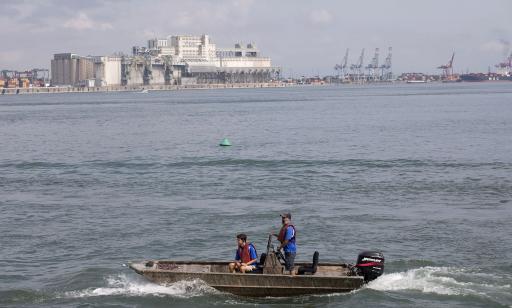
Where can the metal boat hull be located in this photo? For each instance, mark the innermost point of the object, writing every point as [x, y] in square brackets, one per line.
[333, 281]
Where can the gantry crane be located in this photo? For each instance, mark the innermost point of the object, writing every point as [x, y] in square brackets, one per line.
[373, 66]
[386, 73]
[356, 69]
[342, 67]
[505, 67]
[447, 69]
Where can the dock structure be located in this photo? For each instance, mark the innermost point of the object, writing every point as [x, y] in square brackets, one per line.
[137, 88]
[175, 60]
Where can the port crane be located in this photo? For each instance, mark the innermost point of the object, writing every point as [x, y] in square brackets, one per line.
[373, 66]
[342, 68]
[356, 69]
[386, 73]
[506, 66]
[447, 68]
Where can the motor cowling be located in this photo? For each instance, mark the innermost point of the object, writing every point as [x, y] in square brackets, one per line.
[370, 265]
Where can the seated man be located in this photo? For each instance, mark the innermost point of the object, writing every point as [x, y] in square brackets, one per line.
[246, 258]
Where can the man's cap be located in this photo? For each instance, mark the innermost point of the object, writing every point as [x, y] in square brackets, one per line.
[287, 215]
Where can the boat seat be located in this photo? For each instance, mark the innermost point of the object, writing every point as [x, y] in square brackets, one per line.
[310, 269]
[263, 257]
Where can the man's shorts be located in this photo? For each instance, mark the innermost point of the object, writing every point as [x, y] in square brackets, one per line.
[289, 260]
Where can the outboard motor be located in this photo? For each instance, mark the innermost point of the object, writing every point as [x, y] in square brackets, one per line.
[370, 265]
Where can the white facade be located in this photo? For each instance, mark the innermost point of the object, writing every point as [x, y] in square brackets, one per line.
[247, 56]
[107, 71]
[190, 47]
[199, 52]
[157, 43]
[162, 61]
[245, 62]
[172, 60]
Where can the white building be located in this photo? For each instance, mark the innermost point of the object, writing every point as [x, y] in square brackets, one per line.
[167, 61]
[200, 51]
[157, 43]
[107, 71]
[190, 47]
[180, 57]
[242, 56]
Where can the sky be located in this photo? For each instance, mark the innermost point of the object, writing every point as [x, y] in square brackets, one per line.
[303, 37]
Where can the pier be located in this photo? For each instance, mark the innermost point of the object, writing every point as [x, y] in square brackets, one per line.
[137, 88]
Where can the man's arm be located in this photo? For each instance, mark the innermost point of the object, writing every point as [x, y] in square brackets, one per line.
[283, 244]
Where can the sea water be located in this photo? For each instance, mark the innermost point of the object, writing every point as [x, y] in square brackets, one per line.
[423, 173]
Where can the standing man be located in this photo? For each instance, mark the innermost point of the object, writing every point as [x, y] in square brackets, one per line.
[286, 237]
[246, 258]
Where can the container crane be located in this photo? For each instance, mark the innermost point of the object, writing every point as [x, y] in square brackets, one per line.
[386, 73]
[356, 69]
[342, 67]
[505, 68]
[447, 69]
[373, 66]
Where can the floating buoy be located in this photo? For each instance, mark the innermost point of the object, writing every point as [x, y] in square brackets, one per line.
[225, 143]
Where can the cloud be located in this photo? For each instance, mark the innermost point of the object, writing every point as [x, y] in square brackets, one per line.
[497, 46]
[320, 16]
[84, 22]
[242, 5]
[422, 34]
[18, 9]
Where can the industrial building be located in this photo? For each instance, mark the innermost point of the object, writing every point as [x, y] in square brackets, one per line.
[107, 71]
[175, 60]
[71, 69]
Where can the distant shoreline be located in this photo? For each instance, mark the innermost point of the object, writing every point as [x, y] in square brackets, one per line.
[135, 88]
[143, 89]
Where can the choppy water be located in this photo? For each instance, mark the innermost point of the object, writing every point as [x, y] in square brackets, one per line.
[89, 182]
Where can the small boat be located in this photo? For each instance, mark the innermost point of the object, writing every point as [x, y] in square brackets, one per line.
[144, 91]
[269, 279]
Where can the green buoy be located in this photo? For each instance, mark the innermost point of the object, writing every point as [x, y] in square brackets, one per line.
[225, 143]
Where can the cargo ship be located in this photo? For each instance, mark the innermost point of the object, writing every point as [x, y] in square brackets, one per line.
[474, 77]
[480, 77]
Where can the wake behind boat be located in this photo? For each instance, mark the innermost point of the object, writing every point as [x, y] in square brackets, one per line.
[269, 280]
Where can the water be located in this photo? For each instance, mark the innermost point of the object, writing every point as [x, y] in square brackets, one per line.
[89, 182]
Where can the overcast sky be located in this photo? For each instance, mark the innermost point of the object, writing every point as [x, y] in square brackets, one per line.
[303, 37]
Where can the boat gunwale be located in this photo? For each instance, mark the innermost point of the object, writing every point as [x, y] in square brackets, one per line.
[227, 262]
[152, 270]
